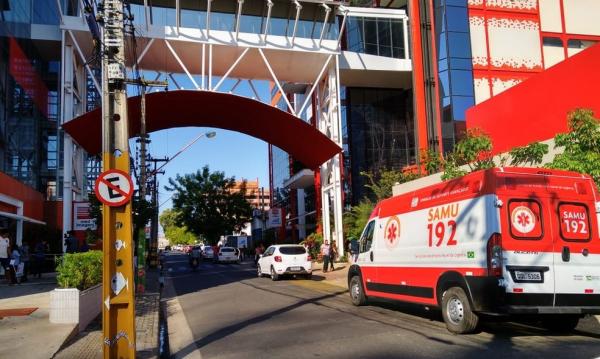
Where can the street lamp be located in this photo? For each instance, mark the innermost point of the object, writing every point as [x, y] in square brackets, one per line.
[209, 134]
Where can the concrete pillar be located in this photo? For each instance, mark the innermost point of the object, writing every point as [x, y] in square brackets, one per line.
[67, 115]
[301, 214]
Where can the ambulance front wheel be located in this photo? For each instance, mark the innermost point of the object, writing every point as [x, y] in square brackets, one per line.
[457, 312]
[357, 292]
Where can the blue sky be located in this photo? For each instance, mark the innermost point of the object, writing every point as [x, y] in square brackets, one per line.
[236, 154]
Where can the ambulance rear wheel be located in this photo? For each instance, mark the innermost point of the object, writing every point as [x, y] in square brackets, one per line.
[560, 323]
[357, 292]
[457, 312]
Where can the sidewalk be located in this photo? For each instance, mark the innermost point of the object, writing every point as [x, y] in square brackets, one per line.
[88, 344]
[32, 334]
[338, 277]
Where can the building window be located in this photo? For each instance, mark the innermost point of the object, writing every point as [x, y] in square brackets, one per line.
[52, 153]
[376, 36]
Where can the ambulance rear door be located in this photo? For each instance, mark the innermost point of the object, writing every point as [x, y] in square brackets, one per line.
[528, 250]
[577, 249]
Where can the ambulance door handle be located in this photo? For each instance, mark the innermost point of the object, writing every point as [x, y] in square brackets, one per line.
[371, 256]
[566, 254]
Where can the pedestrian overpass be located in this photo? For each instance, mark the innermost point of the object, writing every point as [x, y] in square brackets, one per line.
[218, 45]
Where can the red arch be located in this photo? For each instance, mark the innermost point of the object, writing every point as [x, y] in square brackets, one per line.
[213, 109]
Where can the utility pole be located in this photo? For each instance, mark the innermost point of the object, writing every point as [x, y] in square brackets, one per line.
[141, 236]
[118, 309]
[153, 247]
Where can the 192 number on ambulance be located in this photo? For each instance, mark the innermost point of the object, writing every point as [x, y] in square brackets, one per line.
[439, 230]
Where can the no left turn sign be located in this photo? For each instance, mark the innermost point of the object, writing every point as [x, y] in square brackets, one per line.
[114, 188]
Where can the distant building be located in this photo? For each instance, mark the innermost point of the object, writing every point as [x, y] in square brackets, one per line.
[258, 197]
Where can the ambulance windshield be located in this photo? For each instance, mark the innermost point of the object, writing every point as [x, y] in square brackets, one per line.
[367, 237]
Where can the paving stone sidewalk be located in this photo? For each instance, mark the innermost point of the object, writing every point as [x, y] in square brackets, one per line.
[88, 344]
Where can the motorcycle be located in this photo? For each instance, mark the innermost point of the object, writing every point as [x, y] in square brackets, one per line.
[194, 263]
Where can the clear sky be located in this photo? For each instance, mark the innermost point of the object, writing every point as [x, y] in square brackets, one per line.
[236, 154]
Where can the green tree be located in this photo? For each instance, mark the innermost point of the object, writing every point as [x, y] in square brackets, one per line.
[581, 145]
[356, 219]
[168, 218]
[175, 233]
[381, 183]
[531, 155]
[180, 235]
[474, 150]
[209, 204]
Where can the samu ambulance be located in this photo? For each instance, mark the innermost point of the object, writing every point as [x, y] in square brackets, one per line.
[503, 240]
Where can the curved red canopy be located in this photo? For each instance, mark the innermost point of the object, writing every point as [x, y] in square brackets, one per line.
[184, 108]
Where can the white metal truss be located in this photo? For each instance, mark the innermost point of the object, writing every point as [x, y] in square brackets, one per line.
[197, 64]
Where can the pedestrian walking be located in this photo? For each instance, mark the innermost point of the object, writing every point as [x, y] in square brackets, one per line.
[325, 253]
[25, 259]
[258, 251]
[15, 261]
[333, 252]
[71, 242]
[5, 253]
[39, 255]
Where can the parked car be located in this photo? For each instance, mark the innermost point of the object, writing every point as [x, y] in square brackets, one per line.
[207, 252]
[228, 254]
[285, 259]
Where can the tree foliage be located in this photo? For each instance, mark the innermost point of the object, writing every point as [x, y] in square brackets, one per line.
[531, 155]
[474, 151]
[381, 183]
[356, 219]
[175, 233]
[581, 145]
[208, 205]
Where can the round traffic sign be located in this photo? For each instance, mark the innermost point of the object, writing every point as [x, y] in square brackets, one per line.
[114, 188]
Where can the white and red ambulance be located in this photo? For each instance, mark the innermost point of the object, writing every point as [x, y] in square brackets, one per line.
[503, 240]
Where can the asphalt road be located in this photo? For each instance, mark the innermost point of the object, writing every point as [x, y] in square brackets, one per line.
[233, 314]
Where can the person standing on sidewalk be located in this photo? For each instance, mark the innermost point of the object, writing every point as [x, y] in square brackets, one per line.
[39, 255]
[325, 250]
[5, 254]
[333, 252]
[25, 257]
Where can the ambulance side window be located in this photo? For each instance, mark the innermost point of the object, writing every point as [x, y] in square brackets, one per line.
[367, 237]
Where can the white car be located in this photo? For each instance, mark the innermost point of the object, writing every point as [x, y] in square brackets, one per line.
[228, 254]
[285, 259]
[207, 252]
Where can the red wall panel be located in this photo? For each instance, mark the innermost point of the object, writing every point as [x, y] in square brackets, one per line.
[536, 109]
[33, 201]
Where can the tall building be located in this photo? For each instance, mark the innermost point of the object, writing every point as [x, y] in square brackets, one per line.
[258, 197]
[482, 48]
[30, 139]
[478, 55]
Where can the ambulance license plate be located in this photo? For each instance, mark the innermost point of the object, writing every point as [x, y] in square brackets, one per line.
[528, 276]
[296, 269]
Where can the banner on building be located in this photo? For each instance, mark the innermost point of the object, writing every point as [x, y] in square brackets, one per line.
[82, 218]
[274, 219]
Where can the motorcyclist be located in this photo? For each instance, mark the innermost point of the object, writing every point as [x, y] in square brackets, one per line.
[195, 256]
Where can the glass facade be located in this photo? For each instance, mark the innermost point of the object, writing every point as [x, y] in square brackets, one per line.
[376, 36]
[223, 18]
[380, 130]
[455, 67]
[29, 96]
